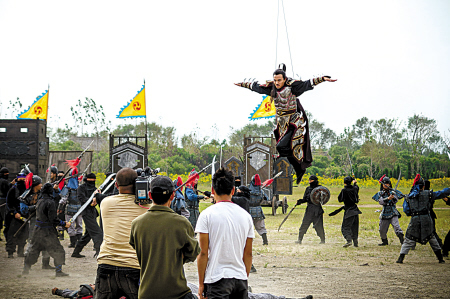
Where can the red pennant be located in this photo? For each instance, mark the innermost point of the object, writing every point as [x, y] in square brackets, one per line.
[61, 184]
[416, 179]
[48, 169]
[73, 163]
[190, 181]
[29, 180]
[267, 183]
[80, 178]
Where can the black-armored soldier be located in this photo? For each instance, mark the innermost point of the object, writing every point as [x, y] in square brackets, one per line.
[45, 236]
[313, 213]
[350, 224]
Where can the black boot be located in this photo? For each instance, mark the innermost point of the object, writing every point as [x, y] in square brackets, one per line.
[59, 272]
[384, 242]
[355, 242]
[401, 238]
[401, 258]
[264, 237]
[10, 254]
[349, 243]
[438, 254]
[253, 269]
[300, 239]
[76, 252]
[26, 269]
[46, 263]
[322, 241]
[20, 251]
[73, 241]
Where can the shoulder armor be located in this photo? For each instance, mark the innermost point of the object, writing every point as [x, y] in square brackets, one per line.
[268, 83]
[290, 81]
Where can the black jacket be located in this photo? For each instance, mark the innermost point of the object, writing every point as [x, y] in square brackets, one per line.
[350, 197]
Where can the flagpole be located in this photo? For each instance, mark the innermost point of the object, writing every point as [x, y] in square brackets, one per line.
[146, 135]
[48, 101]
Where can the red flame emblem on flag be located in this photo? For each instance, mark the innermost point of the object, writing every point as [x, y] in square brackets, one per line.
[137, 106]
[37, 110]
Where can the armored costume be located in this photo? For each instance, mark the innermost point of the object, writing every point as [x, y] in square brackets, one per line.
[420, 228]
[28, 205]
[45, 236]
[178, 204]
[256, 197]
[313, 213]
[292, 128]
[389, 215]
[4, 188]
[90, 214]
[350, 224]
[446, 247]
[192, 199]
[71, 204]
[12, 224]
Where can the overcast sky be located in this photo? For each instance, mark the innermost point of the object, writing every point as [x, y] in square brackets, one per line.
[391, 58]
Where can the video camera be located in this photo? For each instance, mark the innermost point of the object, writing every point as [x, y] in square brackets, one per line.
[142, 185]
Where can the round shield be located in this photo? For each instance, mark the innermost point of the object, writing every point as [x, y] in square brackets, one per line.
[320, 195]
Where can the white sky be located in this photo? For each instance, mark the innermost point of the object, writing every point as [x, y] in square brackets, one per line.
[391, 58]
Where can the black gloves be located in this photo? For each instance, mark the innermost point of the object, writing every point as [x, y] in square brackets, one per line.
[207, 193]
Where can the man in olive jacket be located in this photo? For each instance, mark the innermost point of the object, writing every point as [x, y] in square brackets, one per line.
[163, 241]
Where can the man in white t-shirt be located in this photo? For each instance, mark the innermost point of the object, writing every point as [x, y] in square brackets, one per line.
[226, 236]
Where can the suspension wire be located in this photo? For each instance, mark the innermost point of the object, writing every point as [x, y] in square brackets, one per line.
[289, 47]
[276, 42]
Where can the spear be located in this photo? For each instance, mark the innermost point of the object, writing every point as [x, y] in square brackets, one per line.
[74, 163]
[196, 176]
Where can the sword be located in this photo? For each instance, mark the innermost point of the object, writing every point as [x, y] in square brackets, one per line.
[88, 202]
[25, 221]
[287, 216]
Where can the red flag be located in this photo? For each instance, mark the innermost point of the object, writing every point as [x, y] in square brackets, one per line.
[73, 163]
[61, 184]
[179, 183]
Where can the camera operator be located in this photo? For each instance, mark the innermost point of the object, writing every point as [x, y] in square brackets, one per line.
[118, 266]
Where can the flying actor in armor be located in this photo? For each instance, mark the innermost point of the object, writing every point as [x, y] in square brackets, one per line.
[178, 204]
[71, 204]
[256, 197]
[15, 216]
[350, 224]
[90, 214]
[192, 199]
[420, 228]
[313, 213]
[4, 188]
[45, 236]
[292, 128]
[389, 215]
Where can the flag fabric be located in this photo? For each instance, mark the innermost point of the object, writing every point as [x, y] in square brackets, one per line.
[264, 110]
[136, 107]
[38, 109]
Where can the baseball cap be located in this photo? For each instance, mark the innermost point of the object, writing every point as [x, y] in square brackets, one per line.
[162, 185]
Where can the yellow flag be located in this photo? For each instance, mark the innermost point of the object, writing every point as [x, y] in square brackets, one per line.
[264, 110]
[38, 109]
[136, 107]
